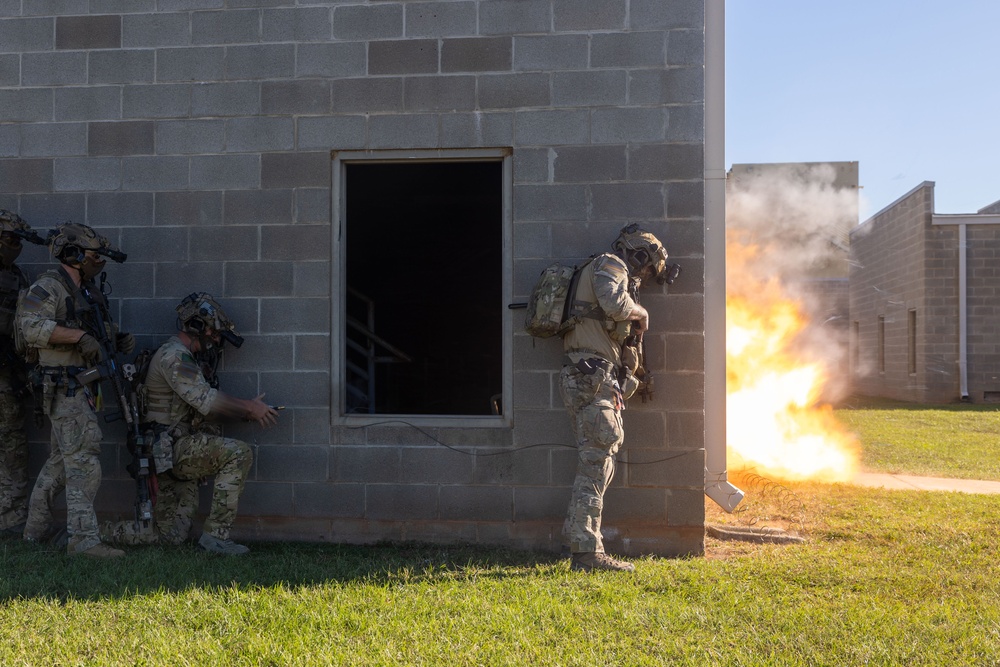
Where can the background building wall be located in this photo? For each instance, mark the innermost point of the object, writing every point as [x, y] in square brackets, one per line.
[900, 263]
[197, 136]
[983, 307]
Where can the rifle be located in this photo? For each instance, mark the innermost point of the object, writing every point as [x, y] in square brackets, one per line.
[119, 377]
[638, 342]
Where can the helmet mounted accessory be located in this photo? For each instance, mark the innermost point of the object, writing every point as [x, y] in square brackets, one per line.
[641, 250]
[199, 311]
[70, 242]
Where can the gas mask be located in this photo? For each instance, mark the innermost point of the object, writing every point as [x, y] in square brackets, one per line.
[91, 266]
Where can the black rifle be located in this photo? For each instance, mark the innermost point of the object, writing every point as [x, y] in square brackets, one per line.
[638, 343]
[119, 377]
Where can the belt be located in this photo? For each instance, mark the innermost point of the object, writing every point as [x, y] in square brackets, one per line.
[589, 365]
[61, 370]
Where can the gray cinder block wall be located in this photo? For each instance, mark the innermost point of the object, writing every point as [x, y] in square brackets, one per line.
[901, 263]
[197, 134]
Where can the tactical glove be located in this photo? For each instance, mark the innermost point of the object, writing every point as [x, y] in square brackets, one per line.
[89, 348]
[126, 343]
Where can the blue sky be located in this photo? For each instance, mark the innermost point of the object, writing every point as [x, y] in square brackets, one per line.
[908, 89]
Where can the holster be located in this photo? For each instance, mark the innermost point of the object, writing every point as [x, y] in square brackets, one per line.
[627, 383]
[162, 443]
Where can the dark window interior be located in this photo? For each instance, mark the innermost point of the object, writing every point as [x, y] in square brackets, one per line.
[424, 279]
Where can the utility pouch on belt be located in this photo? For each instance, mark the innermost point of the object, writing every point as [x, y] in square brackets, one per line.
[590, 365]
[163, 448]
[37, 383]
[628, 384]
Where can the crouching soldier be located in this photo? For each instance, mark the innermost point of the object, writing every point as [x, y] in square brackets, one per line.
[181, 390]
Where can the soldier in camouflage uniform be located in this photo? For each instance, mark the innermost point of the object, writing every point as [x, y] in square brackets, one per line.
[13, 442]
[589, 382]
[178, 398]
[64, 337]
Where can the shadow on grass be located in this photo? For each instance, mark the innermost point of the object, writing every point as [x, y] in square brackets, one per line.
[29, 571]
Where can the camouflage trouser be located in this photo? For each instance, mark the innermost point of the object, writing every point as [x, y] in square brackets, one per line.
[13, 462]
[594, 404]
[73, 464]
[195, 456]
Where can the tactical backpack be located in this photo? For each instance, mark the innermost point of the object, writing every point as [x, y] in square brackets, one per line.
[552, 308]
[21, 347]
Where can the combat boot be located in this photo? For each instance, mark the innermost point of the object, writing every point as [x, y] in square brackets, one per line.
[225, 547]
[597, 560]
[13, 531]
[99, 550]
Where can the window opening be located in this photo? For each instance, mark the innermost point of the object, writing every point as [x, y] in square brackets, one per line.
[423, 287]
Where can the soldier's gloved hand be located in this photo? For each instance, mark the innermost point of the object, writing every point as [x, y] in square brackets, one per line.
[126, 343]
[89, 348]
[630, 358]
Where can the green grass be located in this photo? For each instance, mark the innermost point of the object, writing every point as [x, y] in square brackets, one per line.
[957, 440]
[884, 578]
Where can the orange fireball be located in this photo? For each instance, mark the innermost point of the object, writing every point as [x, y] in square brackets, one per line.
[775, 422]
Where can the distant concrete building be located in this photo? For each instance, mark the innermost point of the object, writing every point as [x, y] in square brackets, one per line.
[925, 303]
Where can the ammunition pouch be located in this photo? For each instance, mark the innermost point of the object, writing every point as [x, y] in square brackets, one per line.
[61, 378]
[161, 439]
[36, 384]
[619, 331]
[628, 383]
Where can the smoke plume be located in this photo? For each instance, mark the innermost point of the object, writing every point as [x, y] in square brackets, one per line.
[787, 232]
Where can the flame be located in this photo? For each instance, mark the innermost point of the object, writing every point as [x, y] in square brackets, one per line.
[776, 423]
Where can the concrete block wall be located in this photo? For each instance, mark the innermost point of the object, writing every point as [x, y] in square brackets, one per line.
[901, 263]
[197, 136]
[983, 310]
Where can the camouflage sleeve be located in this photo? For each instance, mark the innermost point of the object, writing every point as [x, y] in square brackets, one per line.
[185, 378]
[40, 311]
[611, 287]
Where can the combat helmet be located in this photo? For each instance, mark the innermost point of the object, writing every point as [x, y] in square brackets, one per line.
[199, 311]
[69, 242]
[12, 229]
[640, 249]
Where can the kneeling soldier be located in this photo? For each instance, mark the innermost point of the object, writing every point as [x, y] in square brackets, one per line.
[181, 390]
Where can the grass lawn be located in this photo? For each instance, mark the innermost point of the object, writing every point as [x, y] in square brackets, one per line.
[956, 440]
[883, 578]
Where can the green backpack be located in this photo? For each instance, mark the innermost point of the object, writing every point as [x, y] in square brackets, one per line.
[552, 308]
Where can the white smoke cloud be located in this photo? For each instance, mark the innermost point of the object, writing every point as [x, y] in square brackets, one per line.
[796, 217]
[797, 222]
